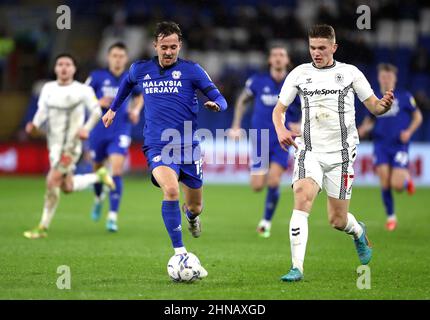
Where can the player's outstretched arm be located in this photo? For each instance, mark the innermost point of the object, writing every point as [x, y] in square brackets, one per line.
[216, 101]
[242, 101]
[285, 137]
[124, 90]
[379, 106]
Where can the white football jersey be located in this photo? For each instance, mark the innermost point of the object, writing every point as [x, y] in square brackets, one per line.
[327, 101]
[63, 108]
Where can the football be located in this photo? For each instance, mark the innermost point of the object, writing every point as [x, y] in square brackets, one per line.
[184, 267]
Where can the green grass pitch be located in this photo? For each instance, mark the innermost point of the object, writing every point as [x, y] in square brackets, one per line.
[132, 263]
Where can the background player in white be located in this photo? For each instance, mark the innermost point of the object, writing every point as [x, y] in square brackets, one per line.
[62, 105]
[327, 148]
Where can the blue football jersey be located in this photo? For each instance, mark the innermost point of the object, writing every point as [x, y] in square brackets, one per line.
[105, 84]
[265, 91]
[170, 97]
[388, 126]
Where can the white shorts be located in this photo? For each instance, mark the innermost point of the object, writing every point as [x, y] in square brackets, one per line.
[332, 171]
[64, 160]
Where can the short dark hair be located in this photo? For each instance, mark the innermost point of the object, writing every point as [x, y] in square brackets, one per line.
[119, 44]
[65, 55]
[322, 31]
[387, 67]
[278, 46]
[167, 28]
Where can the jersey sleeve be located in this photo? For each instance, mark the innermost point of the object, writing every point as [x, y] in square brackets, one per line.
[411, 104]
[92, 81]
[360, 85]
[132, 73]
[125, 88]
[204, 83]
[250, 86]
[89, 98]
[136, 91]
[92, 105]
[42, 108]
[294, 111]
[289, 88]
[201, 80]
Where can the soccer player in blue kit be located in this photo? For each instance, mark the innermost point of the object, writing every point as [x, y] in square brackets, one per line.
[112, 143]
[391, 134]
[263, 88]
[169, 89]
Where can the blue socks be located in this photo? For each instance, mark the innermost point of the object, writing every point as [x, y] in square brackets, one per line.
[172, 220]
[115, 195]
[272, 198]
[98, 189]
[387, 198]
[189, 215]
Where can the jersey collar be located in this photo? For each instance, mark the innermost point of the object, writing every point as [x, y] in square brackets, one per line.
[326, 67]
[163, 69]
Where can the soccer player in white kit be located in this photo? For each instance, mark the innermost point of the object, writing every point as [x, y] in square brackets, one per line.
[62, 106]
[326, 150]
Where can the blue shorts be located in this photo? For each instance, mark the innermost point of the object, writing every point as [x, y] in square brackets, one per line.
[275, 155]
[102, 147]
[396, 157]
[189, 173]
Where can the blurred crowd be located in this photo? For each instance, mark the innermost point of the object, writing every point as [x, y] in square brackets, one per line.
[229, 38]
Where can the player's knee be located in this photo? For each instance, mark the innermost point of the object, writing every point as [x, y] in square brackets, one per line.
[171, 192]
[397, 186]
[257, 187]
[66, 188]
[302, 199]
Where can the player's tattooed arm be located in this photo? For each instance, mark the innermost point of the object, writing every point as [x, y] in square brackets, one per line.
[285, 136]
[243, 100]
[380, 106]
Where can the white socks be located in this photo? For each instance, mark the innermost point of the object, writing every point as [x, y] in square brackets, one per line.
[180, 250]
[265, 223]
[52, 197]
[298, 237]
[83, 181]
[112, 215]
[352, 227]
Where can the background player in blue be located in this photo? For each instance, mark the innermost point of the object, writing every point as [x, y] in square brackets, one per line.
[263, 89]
[391, 134]
[170, 86]
[112, 143]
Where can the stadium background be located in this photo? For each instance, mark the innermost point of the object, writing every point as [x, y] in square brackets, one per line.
[228, 38]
